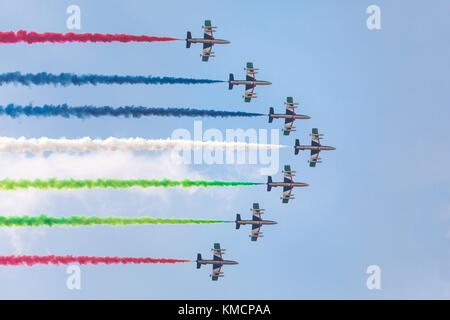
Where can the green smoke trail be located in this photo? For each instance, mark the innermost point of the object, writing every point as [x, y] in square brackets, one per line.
[45, 220]
[53, 183]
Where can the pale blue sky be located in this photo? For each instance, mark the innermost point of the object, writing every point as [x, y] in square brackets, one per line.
[381, 97]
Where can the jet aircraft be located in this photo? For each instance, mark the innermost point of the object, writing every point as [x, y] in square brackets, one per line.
[289, 117]
[257, 222]
[208, 40]
[288, 184]
[217, 262]
[315, 147]
[250, 82]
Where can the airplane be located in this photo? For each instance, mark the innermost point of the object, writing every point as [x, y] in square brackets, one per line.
[289, 117]
[315, 147]
[256, 222]
[207, 40]
[288, 184]
[250, 82]
[217, 262]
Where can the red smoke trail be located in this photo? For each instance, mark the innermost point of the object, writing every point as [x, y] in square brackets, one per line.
[30, 260]
[34, 37]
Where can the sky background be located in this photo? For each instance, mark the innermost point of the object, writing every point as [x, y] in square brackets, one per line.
[381, 98]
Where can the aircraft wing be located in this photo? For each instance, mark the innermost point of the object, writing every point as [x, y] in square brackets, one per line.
[315, 141]
[315, 137]
[290, 110]
[314, 158]
[249, 88]
[288, 174]
[288, 126]
[287, 194]
[216, 272]
[290, 105]
[287, 190]
[218, 257]
[250, 76]
[255, 232]
[217, 252]
[256, 217]
[256, 212]
[207, 48]
[209, 30]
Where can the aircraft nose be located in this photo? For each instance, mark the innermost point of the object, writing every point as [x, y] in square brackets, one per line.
[269, 82]
[235, 262]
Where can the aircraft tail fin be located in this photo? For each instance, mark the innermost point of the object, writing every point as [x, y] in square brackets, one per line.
[297, 143]
[271, 112]
[269, 181]
[230, 85]
[188, 37]
[199, 257]
[238, 218]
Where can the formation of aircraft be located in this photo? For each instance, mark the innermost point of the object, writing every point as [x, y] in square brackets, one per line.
[208, 40]
[288, 184]
[217, 262]
[289, 117]
[250, 82]
[315, 147]
[257, 222]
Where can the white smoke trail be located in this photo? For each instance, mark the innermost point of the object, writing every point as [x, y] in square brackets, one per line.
[41, 145]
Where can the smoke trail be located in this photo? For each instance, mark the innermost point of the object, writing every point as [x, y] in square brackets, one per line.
[31, 260]
[66, 79]
[45, 220]
[53, 183]
[82, 112]
[40, 145]
[34, 37]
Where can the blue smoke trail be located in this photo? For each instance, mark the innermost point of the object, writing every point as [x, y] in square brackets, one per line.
[66, 79]
[82, 112]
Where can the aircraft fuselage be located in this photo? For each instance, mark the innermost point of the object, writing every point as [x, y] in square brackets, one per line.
[250, 82]
[314, 148]
[257, 222]
[289, 116]
[220, 262]
[288, 184]
[201, 40]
